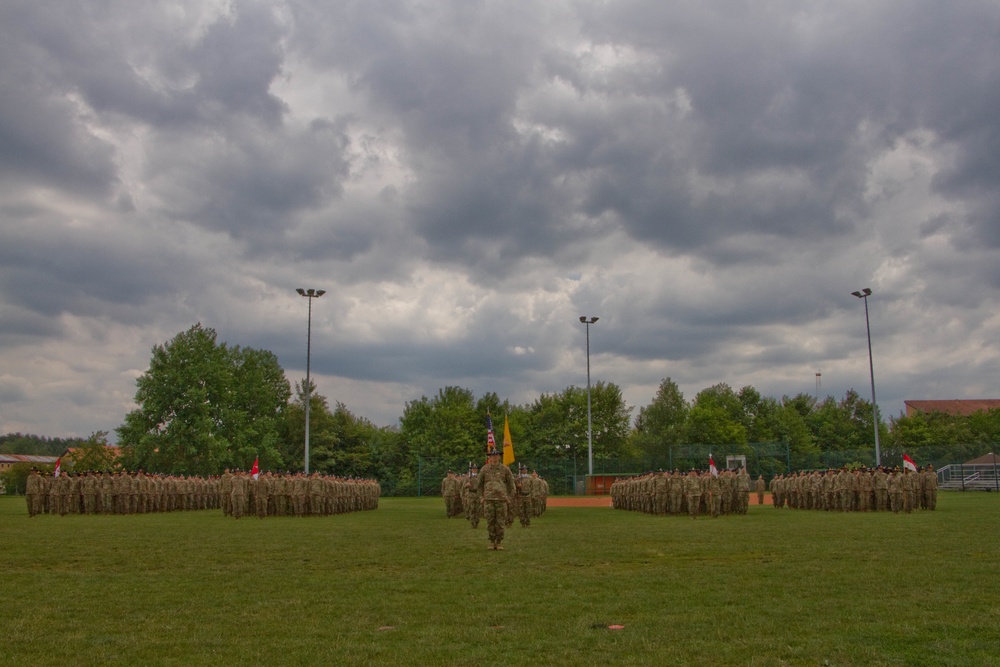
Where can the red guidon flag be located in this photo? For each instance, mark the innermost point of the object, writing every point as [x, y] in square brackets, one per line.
[58, 469]
[711, 466]
[908, 463]
[255, 471]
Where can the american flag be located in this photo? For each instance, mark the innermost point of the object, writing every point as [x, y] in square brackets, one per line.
[491, 442]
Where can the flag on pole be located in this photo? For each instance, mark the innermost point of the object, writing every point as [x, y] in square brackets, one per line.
[491, 442]
[711, 466]
[58, 469]
[508, 444]
[908, 463]
[255, 471]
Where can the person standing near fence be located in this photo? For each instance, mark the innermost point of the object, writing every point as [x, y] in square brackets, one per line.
[930, 487]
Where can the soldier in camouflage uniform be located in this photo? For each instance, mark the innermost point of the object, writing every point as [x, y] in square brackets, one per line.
[692, 493]
[496, 484]
[743, 488]
[33, 490]
[89, 489]
[239, 494]
[472, 499]
[524, 490]
[930, 487]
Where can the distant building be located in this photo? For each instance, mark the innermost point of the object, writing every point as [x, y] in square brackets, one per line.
[8, 460]
[955, 407]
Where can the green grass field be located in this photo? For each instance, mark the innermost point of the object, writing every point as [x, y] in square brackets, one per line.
[403, 585]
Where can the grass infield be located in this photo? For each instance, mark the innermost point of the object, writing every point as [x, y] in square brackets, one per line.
[403, 585]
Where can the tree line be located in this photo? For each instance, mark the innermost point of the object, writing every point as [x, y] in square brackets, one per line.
[203, 406]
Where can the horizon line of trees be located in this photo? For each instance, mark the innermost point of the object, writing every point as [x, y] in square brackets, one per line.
[204, 406]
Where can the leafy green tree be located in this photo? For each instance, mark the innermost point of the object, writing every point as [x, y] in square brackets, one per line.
[844, 425]
[254, 414]
[985, 426]
[291, 444]
[662, 423]
[556, 425]
[95, 453]
[790, 427]
[611, 422]
[803, 404]
[204, 406]
[552, 428]
[36, 445]
[717, 417]
[449, 426]
[14, 479]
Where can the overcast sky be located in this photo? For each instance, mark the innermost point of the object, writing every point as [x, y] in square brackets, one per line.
[467, 178]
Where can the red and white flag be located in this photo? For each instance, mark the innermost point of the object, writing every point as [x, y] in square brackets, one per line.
[491, 441]
[711, 466]
[58, 469]
[908, 463]
[255, 471]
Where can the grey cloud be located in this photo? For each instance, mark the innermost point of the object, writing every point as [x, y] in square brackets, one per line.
[164, 164]
[248, 184]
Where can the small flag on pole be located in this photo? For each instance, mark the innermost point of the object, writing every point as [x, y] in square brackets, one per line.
[255, 471]
[508, 444]
[908, 463]
[711, 466]
[491, 442]
[58, 469]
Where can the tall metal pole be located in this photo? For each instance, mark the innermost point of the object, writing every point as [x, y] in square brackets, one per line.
[864, 294]
[590, 432]
[309, 294]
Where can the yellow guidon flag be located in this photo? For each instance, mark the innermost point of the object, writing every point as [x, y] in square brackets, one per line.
[508, 444]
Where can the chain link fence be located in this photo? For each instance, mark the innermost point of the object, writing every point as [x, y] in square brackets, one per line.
[568, 477]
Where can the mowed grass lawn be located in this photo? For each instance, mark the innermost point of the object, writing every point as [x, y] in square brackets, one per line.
[403, 585]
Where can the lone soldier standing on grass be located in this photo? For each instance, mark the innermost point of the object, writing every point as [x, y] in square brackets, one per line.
[759, 486]
[496, 484]
[930, 488]
[524, 486]
[33, 493]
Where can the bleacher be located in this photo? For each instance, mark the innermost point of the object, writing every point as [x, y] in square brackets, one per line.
[969, 477]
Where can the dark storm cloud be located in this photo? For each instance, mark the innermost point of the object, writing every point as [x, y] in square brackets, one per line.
[74, 271]
[247, 183]
[42, 139]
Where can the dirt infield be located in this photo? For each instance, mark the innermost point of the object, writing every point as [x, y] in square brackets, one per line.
[579, 501]
[605, 501]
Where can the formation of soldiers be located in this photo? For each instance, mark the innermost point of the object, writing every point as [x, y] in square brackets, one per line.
[237, 494]
[463, 497]
[859, 490]
[295, 494]
[118, 492]
[690, 494]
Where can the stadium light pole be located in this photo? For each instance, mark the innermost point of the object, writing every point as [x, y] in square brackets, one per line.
[590, 433]
[309, 294]
[864, 294]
